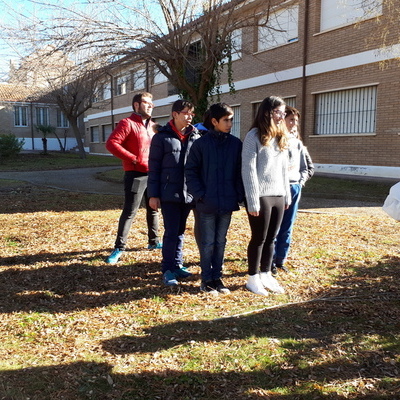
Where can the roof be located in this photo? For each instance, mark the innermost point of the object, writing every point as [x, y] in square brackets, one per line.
[14, 92]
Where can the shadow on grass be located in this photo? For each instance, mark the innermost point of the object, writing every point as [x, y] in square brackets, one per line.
[90, 380]
[359, 308]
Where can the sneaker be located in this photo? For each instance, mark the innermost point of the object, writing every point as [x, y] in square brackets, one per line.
[208, 287]
[269, 282]
[169, 279]
[220, 287]
[254, 285]
[182, 272]
[114, 256]
[154, 246]
[282, 267]
[274, 270]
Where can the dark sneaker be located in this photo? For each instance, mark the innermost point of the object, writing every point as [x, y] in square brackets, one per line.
[182, 272]
[114, 256]
[154, 246]
[208, 287]
[169, 279]
[220, 287]
[282, 267]
[274, 270]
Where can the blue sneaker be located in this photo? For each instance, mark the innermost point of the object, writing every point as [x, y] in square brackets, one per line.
[114, 256]
[182, 272]
[170, 279]
[154, 246]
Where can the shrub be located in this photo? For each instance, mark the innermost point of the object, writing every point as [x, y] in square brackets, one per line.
[10, 145]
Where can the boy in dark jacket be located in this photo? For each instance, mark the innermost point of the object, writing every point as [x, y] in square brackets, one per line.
[166, 186]
[213, 177]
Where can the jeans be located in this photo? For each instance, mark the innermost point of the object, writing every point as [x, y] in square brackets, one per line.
[213, 228]
[131, 205]
[174, 216]
[284, 237]
[264, 229]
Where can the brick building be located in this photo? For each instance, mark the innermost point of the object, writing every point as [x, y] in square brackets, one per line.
[325, 57]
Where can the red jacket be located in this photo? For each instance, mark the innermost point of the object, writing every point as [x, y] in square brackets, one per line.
[130, 141]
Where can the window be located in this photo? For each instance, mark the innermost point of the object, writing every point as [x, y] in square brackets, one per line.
[290, 101]
[159, 77]
[335, 13]
[282, 27]
[138, 79]
[236, 45]
[106, 132]
[20, 115]
[94, 134]
[62, 121]
[120, 84]
[235, 131]
[106, 91]
[42, 116]
[346, 111]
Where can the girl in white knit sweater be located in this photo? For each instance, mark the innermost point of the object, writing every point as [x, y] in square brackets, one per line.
[266, 184]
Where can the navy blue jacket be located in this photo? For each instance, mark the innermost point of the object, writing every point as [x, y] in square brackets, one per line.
[168, 154]
[213, 173]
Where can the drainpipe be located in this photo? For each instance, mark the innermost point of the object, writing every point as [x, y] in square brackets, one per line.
[304, 77]
[32, 132]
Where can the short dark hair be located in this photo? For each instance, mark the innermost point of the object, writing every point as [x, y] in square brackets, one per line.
[137, 98]
[292, 111]
[181, 104]
[219, 110]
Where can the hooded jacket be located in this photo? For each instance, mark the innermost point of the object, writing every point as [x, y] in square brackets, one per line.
[168, 154]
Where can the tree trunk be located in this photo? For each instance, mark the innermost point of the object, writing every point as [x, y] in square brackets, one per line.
[44, 140]
[78, 137]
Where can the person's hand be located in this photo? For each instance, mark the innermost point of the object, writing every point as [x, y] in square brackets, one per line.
[154, 203]
[254, 213]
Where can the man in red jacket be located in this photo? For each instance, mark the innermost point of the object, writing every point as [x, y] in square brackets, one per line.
[130, 141]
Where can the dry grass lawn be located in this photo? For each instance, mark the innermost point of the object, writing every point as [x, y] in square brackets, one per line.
[73, 327]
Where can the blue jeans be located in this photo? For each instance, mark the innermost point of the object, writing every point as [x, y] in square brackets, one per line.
[174, 216]
[284, 237]
[132, 203]
[213, 228]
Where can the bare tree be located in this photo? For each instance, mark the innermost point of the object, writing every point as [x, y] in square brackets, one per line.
[189, 41]
[70, 85]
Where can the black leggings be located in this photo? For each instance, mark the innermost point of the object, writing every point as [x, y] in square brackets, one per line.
[264, 229]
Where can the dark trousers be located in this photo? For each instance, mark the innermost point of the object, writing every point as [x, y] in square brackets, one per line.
[264, 229]
[174, 216]
[133, 198]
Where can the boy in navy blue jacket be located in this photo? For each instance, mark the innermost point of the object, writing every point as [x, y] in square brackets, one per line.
[213, 177]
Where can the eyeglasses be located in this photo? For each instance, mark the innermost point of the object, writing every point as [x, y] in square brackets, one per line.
[187, 113]
[149, 103]
[279, 113]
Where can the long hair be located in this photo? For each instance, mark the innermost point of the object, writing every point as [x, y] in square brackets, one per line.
[266, 127]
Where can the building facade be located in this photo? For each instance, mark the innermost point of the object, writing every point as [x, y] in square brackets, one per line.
[22, 111]
[325, 57]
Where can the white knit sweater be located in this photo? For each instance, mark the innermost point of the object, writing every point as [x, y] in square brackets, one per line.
[264, 171]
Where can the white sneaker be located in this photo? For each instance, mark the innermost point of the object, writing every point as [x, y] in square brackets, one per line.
[269, 282]
[254, 285]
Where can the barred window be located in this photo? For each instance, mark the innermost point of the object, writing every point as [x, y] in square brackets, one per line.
[62, 121]
[42, 115]
[235, 131]
[94, 134]
[346, 111]
[20, 116]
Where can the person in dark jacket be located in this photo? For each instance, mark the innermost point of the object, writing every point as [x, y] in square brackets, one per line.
[166, 186]
[213, 176]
